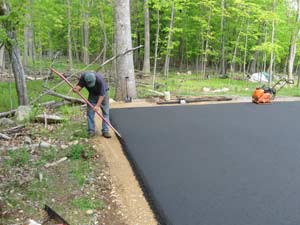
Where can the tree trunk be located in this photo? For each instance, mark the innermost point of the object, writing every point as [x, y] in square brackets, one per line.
[146, 66]
[265, 54]
[245, 52]
[167, 60]
[85, 29]
[272, 42]
[135, 25]
[26, 40]
[232, 65]
[102, 22]
[156, 47]
[14, 53]
[125, 67]
[207, 43]
[76, 53]
[29, 46]
[70, 57]
[18, 69]
[223, 69]
[2, 58]
[293, 45]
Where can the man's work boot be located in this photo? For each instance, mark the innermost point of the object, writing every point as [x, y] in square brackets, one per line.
[106, 135]
[91, 134]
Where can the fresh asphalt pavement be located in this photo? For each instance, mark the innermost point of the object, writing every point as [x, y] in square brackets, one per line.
[224, 164]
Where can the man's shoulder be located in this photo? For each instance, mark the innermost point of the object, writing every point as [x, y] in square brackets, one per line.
[99, 75]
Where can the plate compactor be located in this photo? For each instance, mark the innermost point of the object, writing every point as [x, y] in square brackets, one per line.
[265, 95]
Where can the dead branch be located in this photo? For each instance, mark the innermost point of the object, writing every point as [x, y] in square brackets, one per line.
[36, 78]
[13, 129]
[47, 104]
[67, 98]
[10, 113]
[117, 56]
[4, 136]
[49, 118]
[56, 162]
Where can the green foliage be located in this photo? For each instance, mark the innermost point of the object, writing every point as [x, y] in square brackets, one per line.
[76, 151]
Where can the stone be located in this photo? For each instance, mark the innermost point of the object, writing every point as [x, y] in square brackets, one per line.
[5, 122]
[27, 140]
[89, 212]
[23, 113]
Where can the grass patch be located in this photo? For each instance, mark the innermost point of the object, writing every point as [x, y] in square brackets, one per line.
[193, 85]
[85, 203]
[17, 158]
[37, 190]
[79, 170]
[76, 152]
[81, 151]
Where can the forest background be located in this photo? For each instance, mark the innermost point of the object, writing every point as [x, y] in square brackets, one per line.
[204, 39]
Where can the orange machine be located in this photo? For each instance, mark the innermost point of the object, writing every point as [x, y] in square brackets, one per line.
[265, 95]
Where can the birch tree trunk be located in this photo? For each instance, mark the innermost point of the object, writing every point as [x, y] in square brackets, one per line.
[272, 42]
[125, 68]
[167, 60]
[70, 58]
[146, 66]
[293, 46]
[156, 47]
[245, 52]
[14, 53]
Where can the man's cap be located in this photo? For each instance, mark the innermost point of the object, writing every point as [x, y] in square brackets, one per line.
[90, 79]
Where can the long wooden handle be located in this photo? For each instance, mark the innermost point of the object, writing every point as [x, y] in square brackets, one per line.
[86, 101]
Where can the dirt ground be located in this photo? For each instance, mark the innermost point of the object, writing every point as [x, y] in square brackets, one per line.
[129, 196]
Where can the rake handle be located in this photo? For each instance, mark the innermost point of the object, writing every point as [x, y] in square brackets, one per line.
[86, 101]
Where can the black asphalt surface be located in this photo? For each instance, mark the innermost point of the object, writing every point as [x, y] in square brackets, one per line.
[225, 164]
